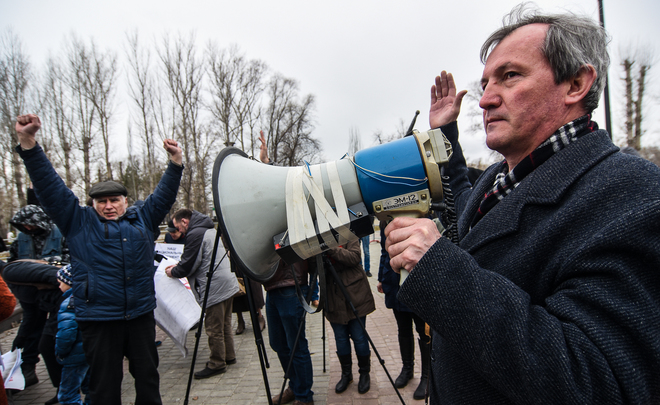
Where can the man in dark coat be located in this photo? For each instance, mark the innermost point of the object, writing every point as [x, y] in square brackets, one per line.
[553, 294]
[111, 247]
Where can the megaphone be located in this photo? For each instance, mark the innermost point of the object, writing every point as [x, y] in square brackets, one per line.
[267, 213]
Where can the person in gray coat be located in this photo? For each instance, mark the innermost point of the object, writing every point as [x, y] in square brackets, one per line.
[552, 295]
[195, 264]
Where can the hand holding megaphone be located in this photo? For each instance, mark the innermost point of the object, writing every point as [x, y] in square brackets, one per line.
[408, 239]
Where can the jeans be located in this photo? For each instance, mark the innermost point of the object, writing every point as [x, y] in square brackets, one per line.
[315, 289]
[106, 343]
[74, 379]
[353, 331]
[365, 248]
[285, 315]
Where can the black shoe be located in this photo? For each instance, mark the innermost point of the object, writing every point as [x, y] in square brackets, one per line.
[230, 362]
[29, 374]
[369, 274]
[52, 401]
[209, 372]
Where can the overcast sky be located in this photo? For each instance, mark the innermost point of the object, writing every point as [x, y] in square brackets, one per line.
[369, 64]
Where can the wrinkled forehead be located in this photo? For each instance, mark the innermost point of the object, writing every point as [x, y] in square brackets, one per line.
[109, 198]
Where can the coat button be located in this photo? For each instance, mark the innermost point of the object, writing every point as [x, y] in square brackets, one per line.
[124, 239]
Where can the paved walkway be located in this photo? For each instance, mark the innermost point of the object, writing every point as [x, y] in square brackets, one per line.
[243, 382]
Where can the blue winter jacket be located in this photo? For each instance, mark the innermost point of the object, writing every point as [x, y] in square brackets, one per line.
[52, 247]
[68, 341]
[112, 261]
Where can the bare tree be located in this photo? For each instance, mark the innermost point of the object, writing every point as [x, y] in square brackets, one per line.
[99, 82]
[57, 111]
[142, 91]
[15, 76]
[473, 112]
[236, 85]
[399, 132]
[184, 73]
[635, 90]
[84, 113]
[354, 142]
[289, 124]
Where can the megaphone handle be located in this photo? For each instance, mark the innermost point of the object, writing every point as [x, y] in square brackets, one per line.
[403, 273]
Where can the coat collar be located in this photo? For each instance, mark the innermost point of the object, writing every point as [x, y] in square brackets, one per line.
[546, 185]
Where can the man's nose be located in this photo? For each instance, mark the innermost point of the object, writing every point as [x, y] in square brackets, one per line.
[489, 98]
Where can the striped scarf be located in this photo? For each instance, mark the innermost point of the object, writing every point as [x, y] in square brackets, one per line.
[506, 181]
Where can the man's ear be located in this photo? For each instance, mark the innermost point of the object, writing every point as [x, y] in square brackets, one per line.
[580, 84]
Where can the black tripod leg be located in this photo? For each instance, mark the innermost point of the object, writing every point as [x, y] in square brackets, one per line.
[328, 265]
[258, 336]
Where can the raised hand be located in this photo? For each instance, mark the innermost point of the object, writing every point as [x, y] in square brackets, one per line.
[27, 126]
[173, 149]
[445, 103]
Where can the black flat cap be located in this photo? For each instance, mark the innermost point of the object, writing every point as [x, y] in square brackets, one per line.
[106, 188]
[170, 227]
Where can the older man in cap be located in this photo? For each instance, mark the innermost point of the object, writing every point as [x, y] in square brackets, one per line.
[111, 245]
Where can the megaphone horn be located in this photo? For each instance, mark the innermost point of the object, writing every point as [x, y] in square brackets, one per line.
[267, 212]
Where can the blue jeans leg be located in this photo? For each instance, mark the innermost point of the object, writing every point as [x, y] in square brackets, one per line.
[365, 249]
[285, 314]
[71, 382]
[359, 336]
[352, 331]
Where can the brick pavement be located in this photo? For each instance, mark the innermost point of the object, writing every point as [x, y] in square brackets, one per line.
[243, 382]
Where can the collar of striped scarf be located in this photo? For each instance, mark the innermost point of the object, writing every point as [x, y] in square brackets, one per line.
[506, 181]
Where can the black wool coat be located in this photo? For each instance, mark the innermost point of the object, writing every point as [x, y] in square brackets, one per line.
[553, 297]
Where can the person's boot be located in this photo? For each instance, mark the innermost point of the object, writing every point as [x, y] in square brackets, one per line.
[30, 374]
[425, 352]
[364, 364]
[407, 348]
[240, 328]
[346, 362]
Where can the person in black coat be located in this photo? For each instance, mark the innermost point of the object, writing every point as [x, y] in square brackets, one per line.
[553, 293]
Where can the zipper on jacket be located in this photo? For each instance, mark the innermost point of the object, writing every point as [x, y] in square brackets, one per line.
[107, 233]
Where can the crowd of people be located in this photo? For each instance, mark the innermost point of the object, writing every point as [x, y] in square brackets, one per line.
[551, 294]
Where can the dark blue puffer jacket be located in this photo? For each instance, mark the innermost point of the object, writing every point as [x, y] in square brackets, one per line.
[68, 341]
[112, 261]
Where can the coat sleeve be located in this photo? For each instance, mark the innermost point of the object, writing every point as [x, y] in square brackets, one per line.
[67, 333]
[159, 203]
[593, 340]
[57, 200]
[457, 170]
[191, 251]
[347, 256]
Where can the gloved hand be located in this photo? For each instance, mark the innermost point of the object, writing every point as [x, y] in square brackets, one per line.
[19, 343]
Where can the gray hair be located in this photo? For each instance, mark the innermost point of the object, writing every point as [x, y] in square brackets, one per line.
[572, 42]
